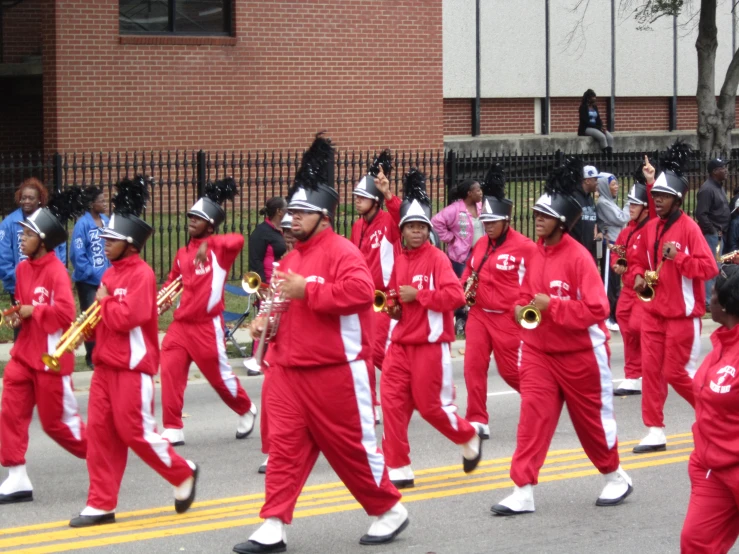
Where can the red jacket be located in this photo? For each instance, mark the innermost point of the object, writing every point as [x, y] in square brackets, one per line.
[126, 338]
[202, 293]
[575, 318]
[430, 318]
[379, 242]
[632, 239]
[502, 273]
[716, 388]
[680, 290]
[334, 323]
[44, 284]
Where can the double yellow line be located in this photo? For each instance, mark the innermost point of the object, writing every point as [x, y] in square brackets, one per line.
[315, 500]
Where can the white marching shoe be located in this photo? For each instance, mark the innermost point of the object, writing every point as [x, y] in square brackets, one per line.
[270, 537]
[388, 526]
[618, 487]
[520, 502]
[655, 441]
[176, 437]
[17, 487]
[482, 429]
[252, 367]
[263, 468]
[401, 477]
[246, 422]
[628, 387]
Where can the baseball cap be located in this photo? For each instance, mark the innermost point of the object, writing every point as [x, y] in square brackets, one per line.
[715, 163]
[589, 171]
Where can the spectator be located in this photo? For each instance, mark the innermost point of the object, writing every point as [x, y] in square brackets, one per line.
[460, 227]
[266, 245]
[585, 230]
[590, 123]
[87, 254]
[30, 196]
[611, 220]
[732, 242]
[712, 210]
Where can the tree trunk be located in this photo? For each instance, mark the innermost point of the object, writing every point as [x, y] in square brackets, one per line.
[715, 118]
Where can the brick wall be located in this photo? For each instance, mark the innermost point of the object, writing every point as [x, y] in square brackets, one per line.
[22, 31]
[292, 68]
[497, 116]
[643, 114]
[457, 116]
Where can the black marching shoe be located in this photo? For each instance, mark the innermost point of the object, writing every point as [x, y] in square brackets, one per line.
[469, 464]
[15, 497]
[89, 521]
[252, 547]
[181, 506]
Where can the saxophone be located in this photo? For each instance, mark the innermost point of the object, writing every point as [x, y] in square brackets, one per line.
[273, 305]
[470, 289]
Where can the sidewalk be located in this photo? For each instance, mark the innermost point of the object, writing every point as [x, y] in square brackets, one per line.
[82, 378]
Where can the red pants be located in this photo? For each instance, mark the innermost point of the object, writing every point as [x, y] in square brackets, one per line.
[121, 415]
[381, 341]
[670, 351]
[582, 380]
[489, 332]
[418, 376]
[24, 388]
[204, 344]
[328, 410]
[263, 414]
[712, 522]
[629, 314]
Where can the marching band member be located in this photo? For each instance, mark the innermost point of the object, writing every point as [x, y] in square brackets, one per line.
[418, 367]
[196, 334]
[44, 293]
[121, 403]
[287, 233]
[498, 264]
[376, 235]
[565, 358]
[318, 396]
[675, 249]
[712, 522]
[87, 254]
[629, 311]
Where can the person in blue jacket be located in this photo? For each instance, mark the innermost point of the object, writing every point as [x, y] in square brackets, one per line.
[87, 253]
[30, 196]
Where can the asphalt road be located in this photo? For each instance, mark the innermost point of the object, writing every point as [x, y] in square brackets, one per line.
[449, 511]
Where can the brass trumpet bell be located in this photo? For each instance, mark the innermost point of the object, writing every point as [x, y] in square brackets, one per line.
[251, 282]
[529, 317]
[380, 301]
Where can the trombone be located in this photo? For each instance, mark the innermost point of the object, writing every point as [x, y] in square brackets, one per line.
[14, 309]
[169, 295]
[80, 330]
[529, 317]
[387, 303]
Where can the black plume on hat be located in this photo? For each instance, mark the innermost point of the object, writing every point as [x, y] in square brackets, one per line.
[566, 178]
[639, 175]
[494, 183]
[315, 166]
[67, 204]
[131, 196]
[222, 190]
[414, 187]
[49, 222]
[676, 158]
[383, 160]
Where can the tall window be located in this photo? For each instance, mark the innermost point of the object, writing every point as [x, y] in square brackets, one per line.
[189, 17]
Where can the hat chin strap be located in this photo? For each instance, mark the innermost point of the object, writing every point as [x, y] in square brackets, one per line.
[315, 227]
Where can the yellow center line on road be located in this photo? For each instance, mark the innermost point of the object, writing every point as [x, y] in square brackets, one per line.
[147, 528]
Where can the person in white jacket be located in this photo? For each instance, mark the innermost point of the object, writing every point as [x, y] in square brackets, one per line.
[611, 220]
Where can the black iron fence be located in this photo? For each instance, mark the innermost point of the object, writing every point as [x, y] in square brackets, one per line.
[177, 179]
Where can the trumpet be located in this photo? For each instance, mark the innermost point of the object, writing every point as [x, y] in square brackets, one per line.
[274, 304]
[169, 295]
[619, 250]
[470, 289]
[651, 277]
[80, 330]
[726, 258]
[529, 317]
[14, 309]
[388, 303]
[252, 284]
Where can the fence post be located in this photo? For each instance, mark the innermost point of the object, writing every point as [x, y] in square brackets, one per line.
[57, 171]
[450, 173]
[202, 173]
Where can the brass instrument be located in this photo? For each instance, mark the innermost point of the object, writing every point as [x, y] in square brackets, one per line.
[274, 304]
[619, 250]
[470, 289]
[14, 309]
[529, 317]
[651, 277]
[388, 303]
[252, 284]
[726, 258]
[169, 295]
[718, 251]
[80, 331]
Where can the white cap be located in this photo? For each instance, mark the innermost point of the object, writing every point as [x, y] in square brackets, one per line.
[589, 171]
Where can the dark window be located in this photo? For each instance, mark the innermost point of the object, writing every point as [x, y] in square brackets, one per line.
[191, 17]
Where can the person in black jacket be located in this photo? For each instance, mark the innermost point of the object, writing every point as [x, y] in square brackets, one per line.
[732, 241]
[266, 246]
[712, 210]
[585, 230]
[591, 124]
